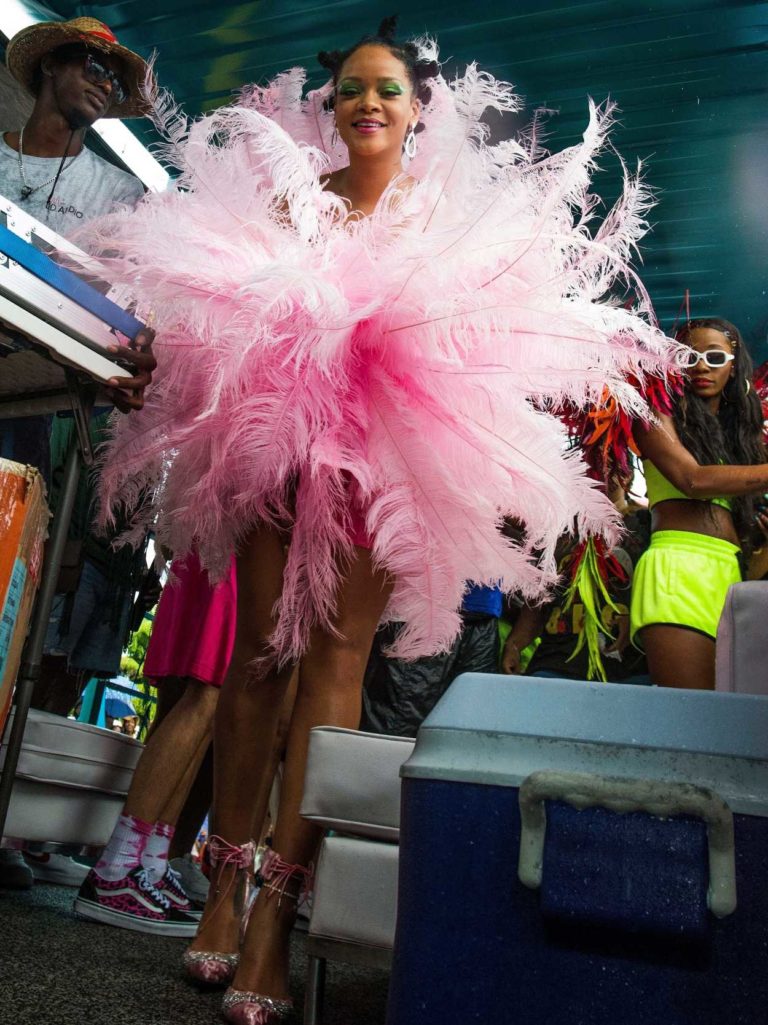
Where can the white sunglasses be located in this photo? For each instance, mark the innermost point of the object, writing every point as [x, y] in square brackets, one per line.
[713, 358]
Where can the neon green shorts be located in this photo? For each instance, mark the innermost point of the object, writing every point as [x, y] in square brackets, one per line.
[682, 580]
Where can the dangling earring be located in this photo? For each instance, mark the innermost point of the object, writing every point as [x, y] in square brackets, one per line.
[409, 147]
[749, 387]
[334, 137]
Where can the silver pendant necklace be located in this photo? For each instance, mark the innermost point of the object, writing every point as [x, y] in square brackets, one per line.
[26, 189]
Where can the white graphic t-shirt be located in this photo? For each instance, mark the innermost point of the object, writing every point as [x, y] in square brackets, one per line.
[88, 187]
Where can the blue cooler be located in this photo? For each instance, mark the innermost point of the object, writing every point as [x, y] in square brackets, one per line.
[584, 854]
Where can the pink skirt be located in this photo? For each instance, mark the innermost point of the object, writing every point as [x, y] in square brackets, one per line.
[194, 629]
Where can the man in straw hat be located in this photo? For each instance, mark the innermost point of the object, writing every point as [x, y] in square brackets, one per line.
[78, 73]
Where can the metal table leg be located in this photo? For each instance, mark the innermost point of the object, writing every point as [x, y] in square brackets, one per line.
[29, 671]
[315, 991]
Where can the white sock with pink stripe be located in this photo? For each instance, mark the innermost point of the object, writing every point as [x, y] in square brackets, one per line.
[154, 857]
[125, 847]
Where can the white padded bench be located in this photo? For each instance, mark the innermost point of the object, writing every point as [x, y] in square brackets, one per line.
[352, 787]
[71, 780]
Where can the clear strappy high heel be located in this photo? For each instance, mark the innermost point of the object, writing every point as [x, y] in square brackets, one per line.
[242, 1007]
[211, 967]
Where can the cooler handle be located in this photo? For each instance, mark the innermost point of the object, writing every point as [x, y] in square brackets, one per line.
[656, 797]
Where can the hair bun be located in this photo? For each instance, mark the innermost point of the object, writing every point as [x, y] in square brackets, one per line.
[329, 59]
[388, 28]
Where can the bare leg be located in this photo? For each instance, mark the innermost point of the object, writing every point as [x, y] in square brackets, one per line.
[278, 754]
[200, 796]
[198, 802]
[172, 756]
[177, 798]
[329, 693]
[245, 750]
[679, 657]
[168, 693]
[192, 815]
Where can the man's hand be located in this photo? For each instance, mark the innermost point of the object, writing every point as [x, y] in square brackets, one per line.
[621, 643]
[762, 521]
[758, 564]
[529, 626]
[127, 393]
[510, 657]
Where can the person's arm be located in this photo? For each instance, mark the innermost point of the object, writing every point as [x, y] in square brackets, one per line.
[758, 564]
[528, 627]
[661, 444]
[127, 393]
[621, 643]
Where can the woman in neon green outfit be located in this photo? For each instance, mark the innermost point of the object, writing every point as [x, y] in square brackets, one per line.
[704, 465]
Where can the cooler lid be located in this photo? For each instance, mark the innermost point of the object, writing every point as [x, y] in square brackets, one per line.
[496, 730]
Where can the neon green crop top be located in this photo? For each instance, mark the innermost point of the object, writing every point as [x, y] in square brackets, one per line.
[660, 489]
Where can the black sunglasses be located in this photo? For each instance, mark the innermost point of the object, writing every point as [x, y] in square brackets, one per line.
[96, 72]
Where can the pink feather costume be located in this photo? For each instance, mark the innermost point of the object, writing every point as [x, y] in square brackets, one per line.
[404, 362]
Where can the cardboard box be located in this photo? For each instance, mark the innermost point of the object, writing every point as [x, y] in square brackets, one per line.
[24, 519]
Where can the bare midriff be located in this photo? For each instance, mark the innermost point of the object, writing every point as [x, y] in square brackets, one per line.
[694, 516]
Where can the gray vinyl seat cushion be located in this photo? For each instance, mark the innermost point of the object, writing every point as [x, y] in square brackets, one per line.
[352, 783]
[71, 780]
[741, 658]
[356, 899]
[74, 754]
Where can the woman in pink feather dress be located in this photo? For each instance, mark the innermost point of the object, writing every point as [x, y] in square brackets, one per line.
[356, 367]
[376, 107]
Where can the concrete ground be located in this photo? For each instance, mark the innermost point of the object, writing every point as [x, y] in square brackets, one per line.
[58, 969]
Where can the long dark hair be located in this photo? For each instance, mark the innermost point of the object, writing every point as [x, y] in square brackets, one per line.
[419, 70]
[734, 434]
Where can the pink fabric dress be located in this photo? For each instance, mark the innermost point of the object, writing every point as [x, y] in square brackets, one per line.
[194, 629]
[393, 379]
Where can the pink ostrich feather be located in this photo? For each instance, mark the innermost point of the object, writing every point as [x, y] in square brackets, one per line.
[407, 360]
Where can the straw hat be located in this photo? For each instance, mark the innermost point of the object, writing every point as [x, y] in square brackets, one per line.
[27, 48]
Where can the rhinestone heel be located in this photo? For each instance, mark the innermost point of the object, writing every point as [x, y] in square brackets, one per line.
[209, 967]
[213, 967]
[242, 1007]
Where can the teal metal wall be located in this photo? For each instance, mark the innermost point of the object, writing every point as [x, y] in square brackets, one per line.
[691, 79]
